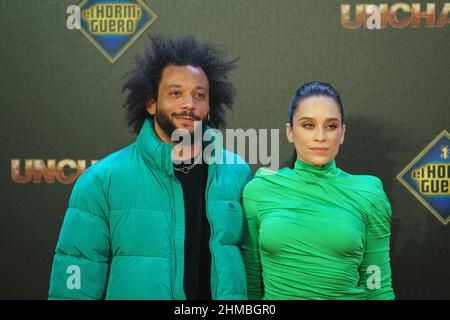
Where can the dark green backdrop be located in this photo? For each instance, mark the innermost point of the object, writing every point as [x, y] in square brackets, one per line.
[60, 98]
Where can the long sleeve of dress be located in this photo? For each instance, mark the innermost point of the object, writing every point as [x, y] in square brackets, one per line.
[250, 250]
[375, 269]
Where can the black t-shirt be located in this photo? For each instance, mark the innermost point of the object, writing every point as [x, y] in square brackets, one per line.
[197, 256]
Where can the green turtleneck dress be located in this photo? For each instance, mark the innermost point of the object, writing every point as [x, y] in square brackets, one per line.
[316, 233]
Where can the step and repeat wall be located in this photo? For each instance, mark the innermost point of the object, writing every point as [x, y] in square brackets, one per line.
[62, 70]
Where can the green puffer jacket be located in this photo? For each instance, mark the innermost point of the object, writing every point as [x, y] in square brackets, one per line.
[123, 232]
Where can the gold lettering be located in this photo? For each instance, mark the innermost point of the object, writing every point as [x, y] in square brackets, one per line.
[393, 19]
[61, 176]
[445, 186]
[98, 11]
[429, 15]
[15, 171]
[415, 174]
[384, 15]
[115, 18]
[93, 27]
[444, 16]
[86, 14]
[434, 187]
[432, 171]
[433, 178]
[35, 169]
[113, 24]
[41, 170]
[360, 16]
[398, 15]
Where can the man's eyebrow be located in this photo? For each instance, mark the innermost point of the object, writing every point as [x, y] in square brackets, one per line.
[178, 86]
[174, 86]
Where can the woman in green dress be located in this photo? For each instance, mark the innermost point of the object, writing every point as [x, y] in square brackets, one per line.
[315, 231]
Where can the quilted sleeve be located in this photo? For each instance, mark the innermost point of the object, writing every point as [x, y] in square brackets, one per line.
[82, 256]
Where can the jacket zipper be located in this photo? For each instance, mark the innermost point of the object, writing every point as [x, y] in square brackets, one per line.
[213, 263]
[174, 247]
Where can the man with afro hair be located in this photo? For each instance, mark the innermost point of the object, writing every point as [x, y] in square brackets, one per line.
[161, 219]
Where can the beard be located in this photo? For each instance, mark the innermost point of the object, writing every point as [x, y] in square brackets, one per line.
[168, 126]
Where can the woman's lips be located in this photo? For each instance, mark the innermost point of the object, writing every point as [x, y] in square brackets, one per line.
[319, 150]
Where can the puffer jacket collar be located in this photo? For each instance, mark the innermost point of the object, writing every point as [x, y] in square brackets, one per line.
[158, 154]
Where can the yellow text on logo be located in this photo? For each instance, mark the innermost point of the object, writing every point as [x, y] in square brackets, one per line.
[112, 18]
[444, 154]
[433, 179]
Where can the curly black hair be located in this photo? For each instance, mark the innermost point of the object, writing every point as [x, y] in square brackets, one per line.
[143, 82]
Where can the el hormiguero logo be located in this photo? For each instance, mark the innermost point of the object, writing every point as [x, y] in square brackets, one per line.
[427, 177]
[112, 26]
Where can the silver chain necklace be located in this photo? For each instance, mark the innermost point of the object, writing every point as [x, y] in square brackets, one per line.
[185, 170]
[197, 160]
